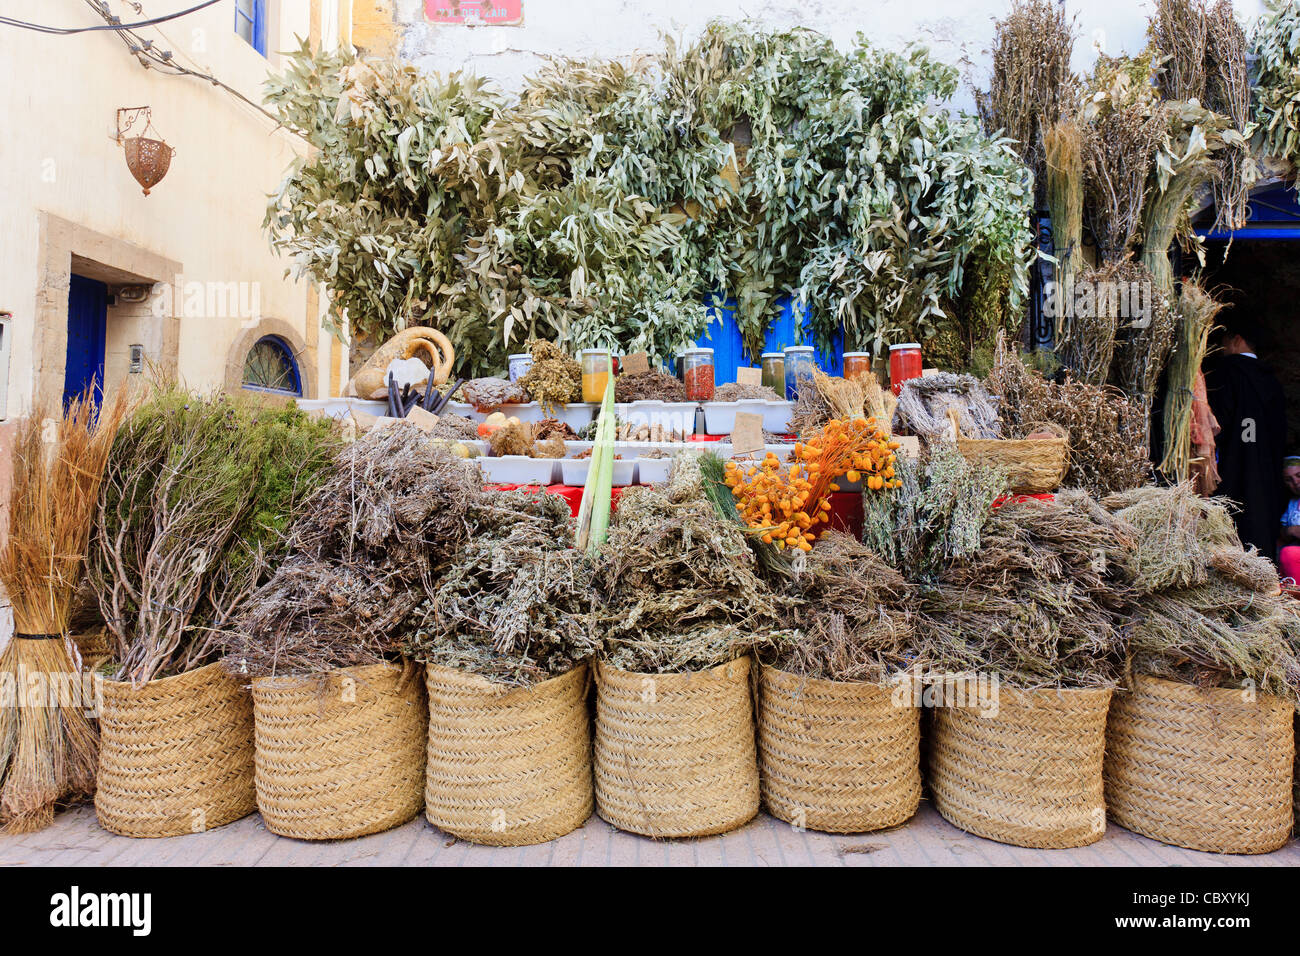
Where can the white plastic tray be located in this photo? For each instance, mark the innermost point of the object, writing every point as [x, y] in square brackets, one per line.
[720, 417]
[339, 407]
[674, 416]
[518, 470]
[653, 471]
[574, 471]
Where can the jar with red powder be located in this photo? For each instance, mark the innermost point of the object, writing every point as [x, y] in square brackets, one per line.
[904, 364]
[697, 366]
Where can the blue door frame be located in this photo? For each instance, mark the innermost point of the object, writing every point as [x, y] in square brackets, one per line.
[87, 325]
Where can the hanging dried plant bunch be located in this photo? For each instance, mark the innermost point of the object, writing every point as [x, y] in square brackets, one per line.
[1179, 31]
[1031, 85]
[1144, 336]
[1120, 150]
[1228, 92]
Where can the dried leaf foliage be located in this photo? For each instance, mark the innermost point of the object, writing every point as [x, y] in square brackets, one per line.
[1276, 75]
[652, 385]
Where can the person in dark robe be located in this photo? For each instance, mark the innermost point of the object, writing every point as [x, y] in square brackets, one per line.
[1251, 410]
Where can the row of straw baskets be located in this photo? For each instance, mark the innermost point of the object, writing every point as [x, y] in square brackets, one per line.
[676, 755]
[1203, 769]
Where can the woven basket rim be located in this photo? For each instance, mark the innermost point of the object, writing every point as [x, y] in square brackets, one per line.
[287, 681]
[824, 681]
[602, 667]
[187, 676]
[1165, 687]
[477, 682]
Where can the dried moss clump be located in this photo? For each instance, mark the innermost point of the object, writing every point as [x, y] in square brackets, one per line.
[555, 377]
[847, 612]
[514, 606]
[652, 385]
[678, 583]
[1042, 603]
[384, 526]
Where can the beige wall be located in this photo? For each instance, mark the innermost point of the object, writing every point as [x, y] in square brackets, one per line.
[68, 194]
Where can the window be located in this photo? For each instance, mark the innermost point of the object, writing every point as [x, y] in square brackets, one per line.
[270, 367]
[250, 23]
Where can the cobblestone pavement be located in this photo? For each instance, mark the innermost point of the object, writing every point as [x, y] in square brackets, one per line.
[76, 839]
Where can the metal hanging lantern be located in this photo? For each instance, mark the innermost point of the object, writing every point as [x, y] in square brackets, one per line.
[148, 157]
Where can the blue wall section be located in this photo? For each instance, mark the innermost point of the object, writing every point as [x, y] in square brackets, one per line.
[723, 336]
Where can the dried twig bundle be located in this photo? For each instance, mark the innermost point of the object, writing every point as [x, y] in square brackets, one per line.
[1228, 92]
[1119, 152]
[48, 745]
[1109, 451]
[924, 405]
[1195, 313]
[1144, 336]
[1180, 32]
[1031, 83]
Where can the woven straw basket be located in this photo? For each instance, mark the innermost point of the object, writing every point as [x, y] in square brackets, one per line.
[1033, 466]
[176, 755]
[508, 766]
[340, 754]
[1029, 776]
[836, 756]
[675, 753]
[1202, 769]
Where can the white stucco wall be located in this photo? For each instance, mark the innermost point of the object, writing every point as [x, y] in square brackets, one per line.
[58, 156]
[957, 31]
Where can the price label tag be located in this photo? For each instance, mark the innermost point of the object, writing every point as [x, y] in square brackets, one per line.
[636, 362]
[749, 376]
[747, 434]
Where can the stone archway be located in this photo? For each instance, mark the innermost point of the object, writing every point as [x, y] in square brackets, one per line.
[291, 336]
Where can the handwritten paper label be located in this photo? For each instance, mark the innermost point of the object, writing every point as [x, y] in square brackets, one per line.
[636, 362]
[749, 376]
[747, 434]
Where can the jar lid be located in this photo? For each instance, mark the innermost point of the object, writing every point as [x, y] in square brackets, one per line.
[767, 355]
[594, 352]
[519, 355]
[849, 355]
[905, 345]
[699, 351]
[798, 348]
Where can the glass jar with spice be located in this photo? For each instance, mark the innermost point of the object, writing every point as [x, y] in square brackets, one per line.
[773, 366]
[904, 364]
[519, 364]
[856, 364]
[597, 367]
[799, 366]
[697, 367]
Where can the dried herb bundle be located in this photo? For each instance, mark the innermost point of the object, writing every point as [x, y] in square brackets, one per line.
[1276, 76]
[847, 611]
[1195, 312]
[679, 584]
[1108, 434]
[1119, 151]
[1144, 337]
[514, 606]
[1228, 92]
[396, 510]
[1031, 86]
[1063, 146]
[924, 404]
[1180, 32]
[197, 495]
[1043, 602]
[935, 517]
[651, 385]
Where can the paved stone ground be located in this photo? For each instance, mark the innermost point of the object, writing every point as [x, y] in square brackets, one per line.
[76, 839]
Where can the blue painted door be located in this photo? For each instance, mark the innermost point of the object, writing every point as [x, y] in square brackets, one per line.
[723, 336]
[87, 319]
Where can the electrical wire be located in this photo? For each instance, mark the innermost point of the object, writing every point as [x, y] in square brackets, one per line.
[113, 24]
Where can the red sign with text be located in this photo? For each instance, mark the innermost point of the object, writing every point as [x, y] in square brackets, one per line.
[498, 12]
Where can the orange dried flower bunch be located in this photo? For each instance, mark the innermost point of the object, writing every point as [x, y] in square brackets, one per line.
[789, 504]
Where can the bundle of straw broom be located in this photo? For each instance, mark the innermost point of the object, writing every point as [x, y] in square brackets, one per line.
[48, 743]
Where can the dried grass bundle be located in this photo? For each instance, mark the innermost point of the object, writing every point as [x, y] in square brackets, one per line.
[1195, 312]
[1179, 532]
[1043, 602]
[1119, 153]
[48, 745]
[822, 397]
[1108, 434]
[375, 535]
[1090, 324]
[678, 583]
[1031, 82]
[848, 614]
[514, 606]
[925, 403]
[1179, 31]
[1063, 145]
[1228, 92]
